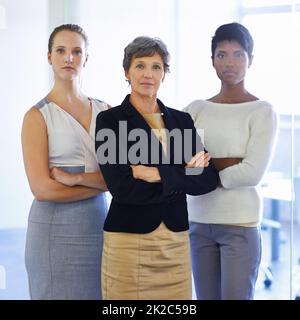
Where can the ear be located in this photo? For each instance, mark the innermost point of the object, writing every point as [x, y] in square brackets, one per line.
[212, 61]
[49, 58]
[86, 60]
[127, 76]
[250, 61]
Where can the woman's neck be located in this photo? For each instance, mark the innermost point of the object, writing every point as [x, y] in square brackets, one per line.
[144, 104]
[67, 91]
[233, 94]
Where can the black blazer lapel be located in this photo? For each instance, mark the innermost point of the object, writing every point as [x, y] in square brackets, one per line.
[170, 124]
[137, 121]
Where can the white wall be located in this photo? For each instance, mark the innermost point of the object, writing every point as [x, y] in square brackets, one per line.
[111, 25]
[24, 72]
[186, 26]
[198, 22]
[23, 81]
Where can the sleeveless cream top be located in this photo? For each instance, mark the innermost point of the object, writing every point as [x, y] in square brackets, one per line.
[69, 144]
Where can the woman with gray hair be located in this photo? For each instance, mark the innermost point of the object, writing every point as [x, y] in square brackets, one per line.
[146, 246]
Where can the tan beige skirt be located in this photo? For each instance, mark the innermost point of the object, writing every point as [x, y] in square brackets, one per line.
[151, 266]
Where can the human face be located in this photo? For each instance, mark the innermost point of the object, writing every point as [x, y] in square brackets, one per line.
[68, 55]
[145, 75]
[231, 62]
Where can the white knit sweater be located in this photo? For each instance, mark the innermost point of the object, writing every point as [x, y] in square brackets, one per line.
[244, 130]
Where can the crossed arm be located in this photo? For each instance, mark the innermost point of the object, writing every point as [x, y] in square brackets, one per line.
[152, 175]
[88, 179]
[151, 184]
[54, 185]
[223, 163]
[201, 159]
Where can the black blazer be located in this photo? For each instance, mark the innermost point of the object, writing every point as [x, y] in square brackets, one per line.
[138, 206]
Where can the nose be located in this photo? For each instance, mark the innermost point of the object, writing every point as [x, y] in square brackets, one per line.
[229, 61]
[69, 58]
[148, 73]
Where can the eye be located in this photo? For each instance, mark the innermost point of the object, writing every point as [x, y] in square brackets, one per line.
[59, 50]
[220, 55]
[157, 67]
[239, 55]
[139, 66]
[78, 52]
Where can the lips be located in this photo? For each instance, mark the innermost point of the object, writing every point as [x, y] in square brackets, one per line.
[229, 73]
[68, 68]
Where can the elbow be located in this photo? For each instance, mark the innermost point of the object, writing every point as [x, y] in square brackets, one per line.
[40, 193]
[208, 185]
[211, 186]
[40, 196]
[251, 181]
[254, 181]
[213, 182]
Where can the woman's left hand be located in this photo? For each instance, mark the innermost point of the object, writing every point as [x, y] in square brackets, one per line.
[223, 163]
[63, 177]
[148, 174]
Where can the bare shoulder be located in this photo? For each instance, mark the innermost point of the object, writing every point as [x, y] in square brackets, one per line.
[34, 133]
[33, 119]
[33, 113]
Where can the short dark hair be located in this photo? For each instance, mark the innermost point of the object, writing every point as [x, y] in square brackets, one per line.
[69, 27]
[146, 47]
[233, 32]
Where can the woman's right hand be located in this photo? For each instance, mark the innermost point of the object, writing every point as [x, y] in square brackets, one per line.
[199, 160]
[148, 174]
[63, 177]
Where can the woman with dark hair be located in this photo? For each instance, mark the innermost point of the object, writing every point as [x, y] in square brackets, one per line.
[64, 235]
[146, 246]
[239, 133]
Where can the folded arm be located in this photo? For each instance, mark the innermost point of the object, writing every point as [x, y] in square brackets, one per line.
[151, 174]
[87, 179]
[190, 179]
[121, 183]
[223, 163]
[249, 172]
[145, 184]
[35, 155]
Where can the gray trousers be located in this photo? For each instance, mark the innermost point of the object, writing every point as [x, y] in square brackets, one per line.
[225, 260]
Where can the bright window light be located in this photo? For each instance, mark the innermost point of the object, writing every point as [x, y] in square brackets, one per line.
[274, 74]
[265, 3]
[2, 18]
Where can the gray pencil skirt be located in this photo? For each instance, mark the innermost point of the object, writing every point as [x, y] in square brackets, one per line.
[64, 249]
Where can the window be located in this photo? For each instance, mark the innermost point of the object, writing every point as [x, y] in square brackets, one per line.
[274, 76]
[276, 66]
